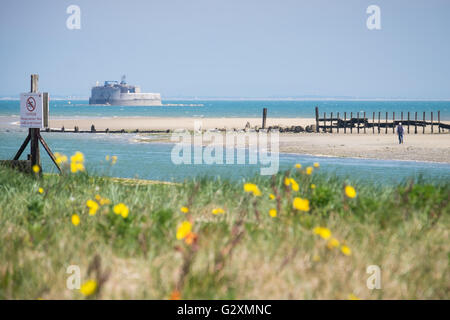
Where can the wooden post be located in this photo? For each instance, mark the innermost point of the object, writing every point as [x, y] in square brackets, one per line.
[338, 122]
[34, 132]
[386, 123]
[379, 116]
[351, 123]
[393, 122]
[439, 121]
[324, 122]
[415, 122]
[424, 124]
[408, 122]
[345, 122]
[264, 118]
[357, 121]
[373, 123]
[317, 119]
[331, 123]
[365, 122]
[431, 121]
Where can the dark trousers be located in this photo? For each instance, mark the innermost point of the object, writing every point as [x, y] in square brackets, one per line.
[400, 138]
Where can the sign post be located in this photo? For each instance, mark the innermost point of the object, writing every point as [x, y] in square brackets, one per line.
[34, 116]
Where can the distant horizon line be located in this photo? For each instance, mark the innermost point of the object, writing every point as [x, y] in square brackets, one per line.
[200, 98]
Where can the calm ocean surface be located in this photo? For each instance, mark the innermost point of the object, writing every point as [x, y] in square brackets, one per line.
[210, 109]
[153, 160]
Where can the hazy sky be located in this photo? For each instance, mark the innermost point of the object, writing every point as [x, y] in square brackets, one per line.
[229, 48]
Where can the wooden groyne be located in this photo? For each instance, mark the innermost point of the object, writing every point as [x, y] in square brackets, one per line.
[93, 130]
[380, 122]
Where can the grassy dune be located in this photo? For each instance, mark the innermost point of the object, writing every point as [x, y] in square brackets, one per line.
[243, 253]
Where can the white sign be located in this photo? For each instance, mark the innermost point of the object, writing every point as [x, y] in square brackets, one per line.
[31, 110]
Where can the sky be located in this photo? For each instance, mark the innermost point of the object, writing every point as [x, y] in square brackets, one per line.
[229, 48]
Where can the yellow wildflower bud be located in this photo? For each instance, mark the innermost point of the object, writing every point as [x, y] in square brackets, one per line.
[75, 219]
[301, 204]
[88, 288]
[324, 233]
[346, 250]
[273, 213]
[184, 209]
[333, 243]
[183, 230]
[350, 191]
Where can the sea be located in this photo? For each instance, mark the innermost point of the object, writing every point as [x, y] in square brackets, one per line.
[137, 159]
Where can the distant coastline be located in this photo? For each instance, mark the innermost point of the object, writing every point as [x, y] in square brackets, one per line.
[249, 99]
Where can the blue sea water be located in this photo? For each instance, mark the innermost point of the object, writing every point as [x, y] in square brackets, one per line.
[153, 161]
[240, 108]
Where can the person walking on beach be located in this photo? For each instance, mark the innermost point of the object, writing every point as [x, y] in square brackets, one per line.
[400, 133]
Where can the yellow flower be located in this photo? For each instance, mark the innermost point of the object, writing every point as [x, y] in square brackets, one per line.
[294, 185]
[121, 209]
[316, 165]
[313, 186]
[184, 209]
[298, 165]
[88, 288]
[76, 162]
[93, 207]
[75, 219]
[346, 250]
[291, 182]
[97, 197]
[76, 166]
[218, 211]
[350, 191]
[252, 188]
[351, 296]
[333, 243]
[36, 168]
[77, 157]
[113, 159]
[271, 196]
[324, 233]
[107, 158]
[309, 170]
[104, 201]
[273, 213]
[287, 181]
[183, 230]
[301, 204]
[60, 158]
[41, 190]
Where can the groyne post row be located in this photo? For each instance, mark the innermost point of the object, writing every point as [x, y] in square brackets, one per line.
[363, 123]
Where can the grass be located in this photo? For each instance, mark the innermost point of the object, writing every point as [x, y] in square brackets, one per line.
[241, 254]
